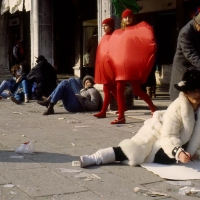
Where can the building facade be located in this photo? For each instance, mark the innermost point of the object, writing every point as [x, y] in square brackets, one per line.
[60, 32]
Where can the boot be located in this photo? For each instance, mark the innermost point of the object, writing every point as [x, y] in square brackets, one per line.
[15, 100]
[102, 156]
[45, 102]
[26, 100]
[49, 110]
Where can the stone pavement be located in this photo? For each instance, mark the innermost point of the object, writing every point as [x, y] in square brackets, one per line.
[61, 138]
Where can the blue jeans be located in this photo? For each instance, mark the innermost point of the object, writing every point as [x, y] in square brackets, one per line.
[76, 84]
[65, 91]
[19, 95]
[4, 86]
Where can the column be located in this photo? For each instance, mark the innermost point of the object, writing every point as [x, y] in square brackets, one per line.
[104, 8]
[4, 58]
[34, 23]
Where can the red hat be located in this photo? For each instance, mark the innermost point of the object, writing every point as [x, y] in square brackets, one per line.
[109, 21]
[127, 13]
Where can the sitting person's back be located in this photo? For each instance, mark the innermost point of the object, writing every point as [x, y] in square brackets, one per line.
[44, 75]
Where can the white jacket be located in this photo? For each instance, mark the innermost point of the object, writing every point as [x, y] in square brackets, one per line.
[166, 129]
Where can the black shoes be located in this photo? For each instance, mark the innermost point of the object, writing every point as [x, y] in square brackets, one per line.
[15, 100]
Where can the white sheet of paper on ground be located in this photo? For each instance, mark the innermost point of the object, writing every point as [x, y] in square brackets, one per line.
[178, 171]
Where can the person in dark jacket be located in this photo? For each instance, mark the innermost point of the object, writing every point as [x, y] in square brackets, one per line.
[187, 53]
[44, 75]
[75, 99]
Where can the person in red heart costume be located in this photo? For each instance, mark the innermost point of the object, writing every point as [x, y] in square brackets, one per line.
[103, 72]
[131, 55]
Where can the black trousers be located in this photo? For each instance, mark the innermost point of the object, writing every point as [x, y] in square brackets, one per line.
[161, 157]
[119, 154]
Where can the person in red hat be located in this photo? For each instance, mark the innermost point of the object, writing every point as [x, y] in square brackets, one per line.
[103, 73]
[131, 55]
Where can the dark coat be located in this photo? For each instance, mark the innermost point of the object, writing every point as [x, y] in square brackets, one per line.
[187, 55]
[45, 77]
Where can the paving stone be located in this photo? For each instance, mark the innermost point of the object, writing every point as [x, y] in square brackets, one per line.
[43, 182]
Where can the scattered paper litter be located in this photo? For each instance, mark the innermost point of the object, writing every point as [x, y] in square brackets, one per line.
[76, 163]
[95, 176]
[61, 118]
[19, 157]
[73, 144]
[9, 186]
[12, 192]
[69, 170]
[88, 179]
[17, 113]
[150, 193]
[189, 190]
[179, 182]
[82, 126]
[83, 175]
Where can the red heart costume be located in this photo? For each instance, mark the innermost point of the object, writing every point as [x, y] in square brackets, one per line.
[103, 72]
[131, 52]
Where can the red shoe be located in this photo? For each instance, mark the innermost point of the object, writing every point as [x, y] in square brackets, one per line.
[100, 115]
[119, 121]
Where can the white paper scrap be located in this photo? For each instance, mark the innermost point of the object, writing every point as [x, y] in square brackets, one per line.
[69, 170]
[83, 175]
[82, 126]
[179, 182]
[95, 176]
[9, 186]
[19, 157]
[76, 163]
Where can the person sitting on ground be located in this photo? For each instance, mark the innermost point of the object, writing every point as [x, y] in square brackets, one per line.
[45, 77]
[17, 87]
[170, 136]
[87, 99]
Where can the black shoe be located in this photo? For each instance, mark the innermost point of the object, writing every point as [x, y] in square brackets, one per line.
[15, 100]
[49, 111]
[44, 103]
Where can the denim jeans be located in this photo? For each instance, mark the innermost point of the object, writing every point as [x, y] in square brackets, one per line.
[19, 95]
[4, 86]
[65, 91]
[76, 84]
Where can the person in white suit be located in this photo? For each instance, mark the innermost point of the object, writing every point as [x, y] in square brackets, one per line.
[170, 136]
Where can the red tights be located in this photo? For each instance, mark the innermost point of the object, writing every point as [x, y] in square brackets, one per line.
[107, 88]
[136, 85]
